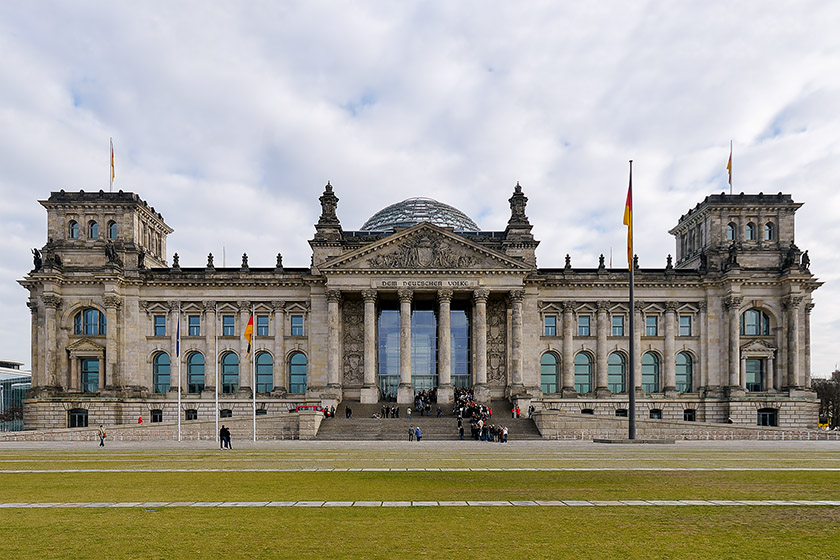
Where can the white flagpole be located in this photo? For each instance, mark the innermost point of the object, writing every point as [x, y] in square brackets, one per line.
[178, 357]
[216, 370]
[254, 372]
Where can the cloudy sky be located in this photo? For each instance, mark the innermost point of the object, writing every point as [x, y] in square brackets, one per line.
[229, 118]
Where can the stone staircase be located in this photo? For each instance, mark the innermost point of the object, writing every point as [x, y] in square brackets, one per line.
[362, 427]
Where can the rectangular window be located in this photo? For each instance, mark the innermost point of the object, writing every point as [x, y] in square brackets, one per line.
[618, 325]
[194, 322]
[160, 325]
[297, 325]
[157, 415]
[262, 325]
[651, 325]
[550, 322]
[685, 325]
[228, 325]
[583, 325]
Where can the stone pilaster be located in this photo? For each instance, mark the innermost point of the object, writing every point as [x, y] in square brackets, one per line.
[51, 305]
[280, 376]
[245, 367]
[670, 376]
[703, 333]
[405, 392]
[733, 313]
[601, 359]
[638, 317]
[370, 391]
[211, 358]
[517, 361]
[791, 305]
[445, 392]
[482, 392]
[334, 338]
[37, 372]
[111, 374]
[568, 389]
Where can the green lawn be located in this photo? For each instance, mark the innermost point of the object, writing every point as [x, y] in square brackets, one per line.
[511, 532]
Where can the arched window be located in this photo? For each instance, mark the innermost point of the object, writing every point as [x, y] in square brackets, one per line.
[230, 372]
[549, 372]
[89, 322]
[755, 323]
[73, 230]
[160, 372]
[749, 233]
[730, 231]
[650, 373]
[583, 373]
[93, 229]
[684, 367]
[265, 372]
[769, 231]
[616, 370]
[195, 373]
[112, 229]
[297, 373]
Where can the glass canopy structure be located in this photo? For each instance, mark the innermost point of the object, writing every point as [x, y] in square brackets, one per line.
[415, 210]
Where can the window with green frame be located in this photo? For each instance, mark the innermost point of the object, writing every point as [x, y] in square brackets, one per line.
[549, 372]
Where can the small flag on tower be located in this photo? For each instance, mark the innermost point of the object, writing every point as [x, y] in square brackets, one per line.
[112, 164]
[249, 332]
[729, 167]
[628, 219]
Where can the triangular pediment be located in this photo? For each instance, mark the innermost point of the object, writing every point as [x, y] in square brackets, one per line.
[424, 247]
[86, 345]
[758, 347]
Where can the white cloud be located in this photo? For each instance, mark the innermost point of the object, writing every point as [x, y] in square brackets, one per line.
[230, 117]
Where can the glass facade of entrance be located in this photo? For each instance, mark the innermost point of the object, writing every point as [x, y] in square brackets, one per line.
[424, 346]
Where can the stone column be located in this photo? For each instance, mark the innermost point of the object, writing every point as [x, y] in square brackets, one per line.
[638, 317]
[279, 346]
[445, 392]
[742, 373]
[334, 337]
[482, 392]
[112, 359]
[211, 360]
[772, 382]
[791, 304]
[51, 304]
[703, 333]
[733, 310]
[37, 373]
[75, 381]
[670, 388]
[370, 390]
[245, 368]
[172, 328]
[806, 381]
[405, 392]
[568, 349]
[601, 359]
[101, 360]
[517, 363]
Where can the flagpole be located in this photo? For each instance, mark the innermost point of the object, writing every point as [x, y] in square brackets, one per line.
[178, 357]
[216, 368]
[631, 390]
[254, 373]
[111, 178]
[730, 167]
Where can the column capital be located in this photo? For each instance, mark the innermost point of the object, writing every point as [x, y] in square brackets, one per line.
[808, 308]
[405, 295]
[791, 302]
[369, 295]
[33, 306]
[209, 306]
[568, 306]
[671, 306]
[278, 305]
[112, 301]
[52, 302]
[639, 306]
[444, 295]
[516, 296]
[244, 305]
[732, 302]
[702, 305]
[481, 295]
[602, 305]
[334, 295]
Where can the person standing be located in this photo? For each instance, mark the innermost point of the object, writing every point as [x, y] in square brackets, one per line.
[101, 433]
[408, 412]
[460, 431]
[417, 433]
[348, 412]
[411, 433]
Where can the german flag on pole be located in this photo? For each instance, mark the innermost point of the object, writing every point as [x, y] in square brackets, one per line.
[249, 332]
[628, 219]
[112, 164]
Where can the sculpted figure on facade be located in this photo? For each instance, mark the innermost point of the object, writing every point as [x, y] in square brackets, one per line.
[496, 342]
[353, 319]
[424, 251]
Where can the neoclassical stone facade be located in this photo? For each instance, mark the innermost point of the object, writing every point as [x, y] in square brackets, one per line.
[419, 298]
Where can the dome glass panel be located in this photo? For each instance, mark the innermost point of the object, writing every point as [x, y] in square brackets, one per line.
[415, 210]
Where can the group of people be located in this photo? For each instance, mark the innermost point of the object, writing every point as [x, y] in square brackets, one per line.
[224, 438]
[414, 432]
[481, 430]
[329, 412]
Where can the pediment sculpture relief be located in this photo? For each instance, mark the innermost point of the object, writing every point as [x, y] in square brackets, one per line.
[424, 251]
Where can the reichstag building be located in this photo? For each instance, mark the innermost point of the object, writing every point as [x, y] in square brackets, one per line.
[419, 297]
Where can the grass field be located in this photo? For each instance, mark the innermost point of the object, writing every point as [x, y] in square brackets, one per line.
[301, 471]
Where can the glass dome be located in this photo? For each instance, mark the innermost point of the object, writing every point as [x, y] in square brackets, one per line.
[415, 210]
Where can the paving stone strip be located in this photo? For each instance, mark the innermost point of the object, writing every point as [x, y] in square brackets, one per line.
[426, 503]
[421, 469]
